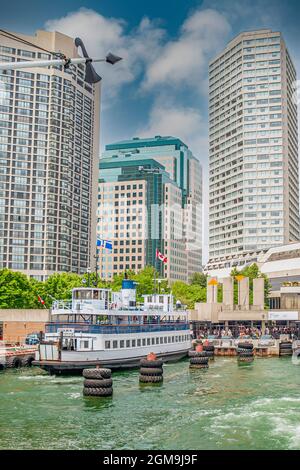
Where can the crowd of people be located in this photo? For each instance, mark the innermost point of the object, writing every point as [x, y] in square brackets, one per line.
[254, 332]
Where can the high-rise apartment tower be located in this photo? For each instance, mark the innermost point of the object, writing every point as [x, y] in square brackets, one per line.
[253, 148]
[49, 147]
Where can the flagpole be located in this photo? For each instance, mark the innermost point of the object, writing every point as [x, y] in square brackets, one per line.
[155, 271]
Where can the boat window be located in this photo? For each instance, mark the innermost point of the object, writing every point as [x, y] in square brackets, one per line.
[153, 340]
[144, 341]
[128, 343]
[165, 339]
[122, 343]
[161, 340]
[115, 344]
[157, 340]
[84, 344]
[176, 339]
[107, 344]
[95, 294]
[169, 339]
[138, 342]
[133, 343]
[148, 341]
[173, 339]
[161, 299]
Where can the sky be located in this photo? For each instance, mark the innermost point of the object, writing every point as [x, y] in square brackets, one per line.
[161, 85]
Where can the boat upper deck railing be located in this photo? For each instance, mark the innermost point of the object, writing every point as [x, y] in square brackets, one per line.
[86, 327]
[96, 307]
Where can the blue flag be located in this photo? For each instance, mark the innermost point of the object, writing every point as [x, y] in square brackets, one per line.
[104, 244]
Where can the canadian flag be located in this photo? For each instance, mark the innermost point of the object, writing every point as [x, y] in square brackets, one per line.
[160, 256]
[41, 300]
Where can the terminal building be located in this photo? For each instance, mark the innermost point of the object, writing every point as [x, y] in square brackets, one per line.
[281, 264]
[281, 308]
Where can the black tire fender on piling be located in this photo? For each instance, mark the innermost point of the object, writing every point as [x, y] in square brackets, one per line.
[97, 392]
[199, 360]
[150, 378]
[155, 363]
[245, 345]
[13, 362]
[246, 359]
[210, 353]
[98, 383]
[242, 350]
[151, 371]
[27, 361]
[96, 373]
[198, 354]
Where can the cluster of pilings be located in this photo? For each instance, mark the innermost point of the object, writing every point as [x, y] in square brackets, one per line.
[199, 357]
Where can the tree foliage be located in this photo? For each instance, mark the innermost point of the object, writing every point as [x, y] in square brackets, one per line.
[199, 279]
[188, 294]
[16, 290]
[19, 291]
[252, 272]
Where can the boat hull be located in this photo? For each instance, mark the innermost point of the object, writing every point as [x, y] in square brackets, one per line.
[76, 367]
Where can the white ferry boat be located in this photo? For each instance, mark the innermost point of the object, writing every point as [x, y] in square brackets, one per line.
[100, 327]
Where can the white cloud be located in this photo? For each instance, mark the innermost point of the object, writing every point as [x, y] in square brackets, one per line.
[146, 50]
[102, 35]
[183, 122]
[184, 61]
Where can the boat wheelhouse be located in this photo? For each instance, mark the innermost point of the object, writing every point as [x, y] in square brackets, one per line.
[101, 327]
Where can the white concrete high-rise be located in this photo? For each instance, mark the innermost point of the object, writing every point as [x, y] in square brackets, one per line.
[49, 153]
[253, 148]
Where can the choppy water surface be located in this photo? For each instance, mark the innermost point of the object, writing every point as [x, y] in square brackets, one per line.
[228, 406]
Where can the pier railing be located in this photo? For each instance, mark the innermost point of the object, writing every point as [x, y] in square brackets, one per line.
[116, 329]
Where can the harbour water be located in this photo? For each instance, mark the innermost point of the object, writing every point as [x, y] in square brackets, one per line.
[227, 406]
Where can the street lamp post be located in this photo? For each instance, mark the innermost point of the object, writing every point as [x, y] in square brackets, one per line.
[60, 59]
[89, 275]
[96, 257]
